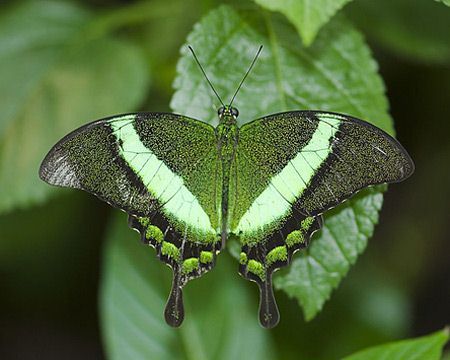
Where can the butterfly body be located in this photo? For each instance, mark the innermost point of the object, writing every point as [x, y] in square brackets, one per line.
[227, 141]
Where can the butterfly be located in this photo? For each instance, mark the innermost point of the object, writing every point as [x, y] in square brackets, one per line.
[188, 187]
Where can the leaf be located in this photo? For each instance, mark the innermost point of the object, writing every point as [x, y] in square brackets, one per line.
[307, 16]
[336, 73]
[32, 37]
[446, 2]
[75, 82]
[417, 30]
[220, 321]
[426, 347]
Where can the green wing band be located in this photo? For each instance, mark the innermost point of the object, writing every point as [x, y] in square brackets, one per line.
[164, 184]
[289, 184]
[88, 159]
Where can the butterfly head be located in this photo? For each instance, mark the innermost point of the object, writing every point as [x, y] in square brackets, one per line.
[228, 111]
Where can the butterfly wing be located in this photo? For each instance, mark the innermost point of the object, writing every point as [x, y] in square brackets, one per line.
[290, 168]
[159, 168]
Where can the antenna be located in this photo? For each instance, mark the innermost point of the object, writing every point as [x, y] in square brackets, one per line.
[203, 71]
[246, 74]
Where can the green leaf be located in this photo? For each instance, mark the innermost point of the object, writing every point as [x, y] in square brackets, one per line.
[414, 29]
[307, 16]
[426, 347]
[336, 73]
[58, 84]
[32, 37]
[446, 2]
[220, 321]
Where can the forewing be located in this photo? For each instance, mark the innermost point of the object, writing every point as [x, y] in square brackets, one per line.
[141, 162]
[310, 161]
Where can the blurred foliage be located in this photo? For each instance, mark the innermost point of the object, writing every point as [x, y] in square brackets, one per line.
[67, 81]
[427, 347]
[63, 63]
[446, 2]
[420, 32]
[307, 16]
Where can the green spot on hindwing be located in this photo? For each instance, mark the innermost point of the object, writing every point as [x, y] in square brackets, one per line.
[276, 254]
[154, 233]
[190, 265]
[206, 257]
[306, 223]
[294, 238]
[243, 258]
[256, 268]
[144, 221]
[170, 250]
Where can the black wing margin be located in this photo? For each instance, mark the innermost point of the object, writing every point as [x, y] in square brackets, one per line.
[360, 155]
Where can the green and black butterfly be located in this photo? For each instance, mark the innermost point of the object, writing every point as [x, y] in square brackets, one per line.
[188, 187]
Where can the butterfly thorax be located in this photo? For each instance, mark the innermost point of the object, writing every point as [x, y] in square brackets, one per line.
[227, 135]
